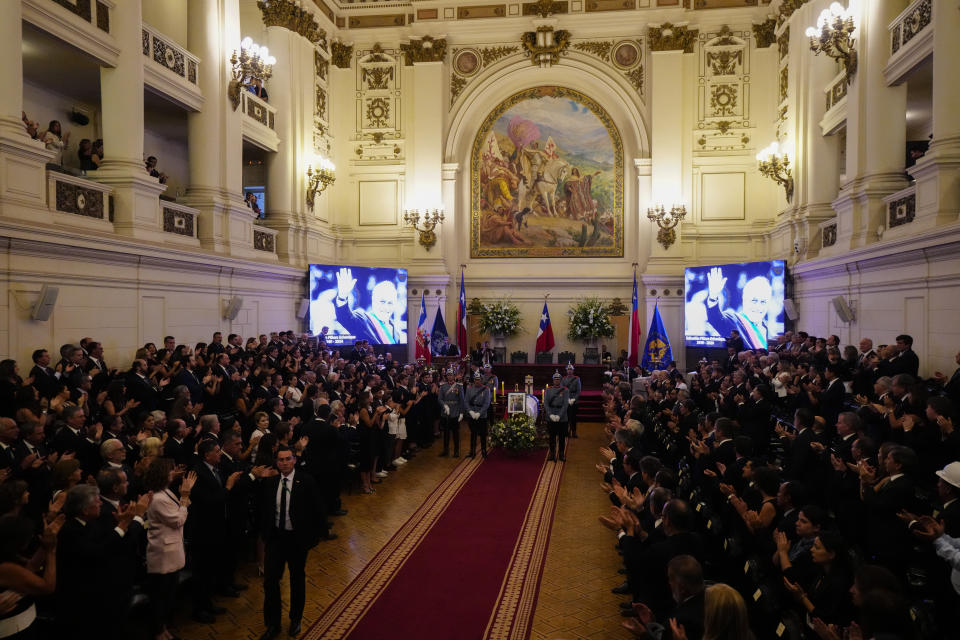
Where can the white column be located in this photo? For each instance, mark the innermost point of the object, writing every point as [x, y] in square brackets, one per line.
[645, 229]
[938, 172]
[876, 131]
[215, 142]
[423, 185]
[136, 207]
[22, 172]
[454, 233]
[666, 148]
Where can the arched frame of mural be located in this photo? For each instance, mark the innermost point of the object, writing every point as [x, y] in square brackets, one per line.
[613, 250]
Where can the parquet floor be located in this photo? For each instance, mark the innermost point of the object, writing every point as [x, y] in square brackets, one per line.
[575, 599]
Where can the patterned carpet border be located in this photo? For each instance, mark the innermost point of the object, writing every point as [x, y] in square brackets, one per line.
[346, 611]
[512, 616]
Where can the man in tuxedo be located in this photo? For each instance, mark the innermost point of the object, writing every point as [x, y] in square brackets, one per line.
[293, 520]
[326, 458]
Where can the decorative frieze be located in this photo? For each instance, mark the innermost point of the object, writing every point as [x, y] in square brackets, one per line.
[723, 79]
[911, 22]
[179, 221]
[341, 54]
[79, 200]
[172, 57]
[263, 240]
[293, 17]
[902, 210]
[763, 33]
[828, 235]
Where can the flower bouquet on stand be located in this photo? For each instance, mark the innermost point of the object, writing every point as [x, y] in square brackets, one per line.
[517, 434]
[589, 320]
[500, 318]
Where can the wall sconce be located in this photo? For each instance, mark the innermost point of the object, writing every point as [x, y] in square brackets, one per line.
[545, 45]
[667, 220]
[253, 62]
[776, 166]
[832, 37]
[320, 178]
[431, 218]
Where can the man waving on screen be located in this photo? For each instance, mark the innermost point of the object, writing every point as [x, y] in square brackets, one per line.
[752, 321]
[376, 324]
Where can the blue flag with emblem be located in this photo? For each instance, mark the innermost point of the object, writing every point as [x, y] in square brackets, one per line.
[657, 353]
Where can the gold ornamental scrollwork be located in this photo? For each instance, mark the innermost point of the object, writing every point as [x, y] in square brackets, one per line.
[787, 9]
[292, 16]
[669, 37]
[340, 54]
[763, 33]
[599, 48]
[426, 49]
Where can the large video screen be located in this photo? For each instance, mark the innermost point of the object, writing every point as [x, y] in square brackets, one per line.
[747, 297]
[358, 303]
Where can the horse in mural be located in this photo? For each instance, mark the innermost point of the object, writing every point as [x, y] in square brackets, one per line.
[544, 181]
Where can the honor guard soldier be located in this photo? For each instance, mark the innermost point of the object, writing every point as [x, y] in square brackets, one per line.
[490, 381]
[477, 398]
[572, 383]
[556, 401]
[452, 404]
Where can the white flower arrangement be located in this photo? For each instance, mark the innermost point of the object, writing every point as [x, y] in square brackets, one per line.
[500, 318]
[589, 319]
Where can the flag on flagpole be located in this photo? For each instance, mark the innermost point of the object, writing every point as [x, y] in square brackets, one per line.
[545, 332]
[438, 333]
[635, 326]
[423, 335]
[462, 321]
[657, 353]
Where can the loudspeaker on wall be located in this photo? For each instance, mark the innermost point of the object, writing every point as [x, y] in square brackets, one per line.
[843, 309]
[303, 308]
[232, 308]
[44, 305]
[790, 309]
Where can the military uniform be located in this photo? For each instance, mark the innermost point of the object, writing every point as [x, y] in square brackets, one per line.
[452, 406]
[555, 405]
[573, 386]
[490, 382]
[477, 399]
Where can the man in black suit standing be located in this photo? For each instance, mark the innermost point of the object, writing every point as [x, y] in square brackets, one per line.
[951, 385]
[293, 518]
[140, 388]
[45, 379]
[904, 360]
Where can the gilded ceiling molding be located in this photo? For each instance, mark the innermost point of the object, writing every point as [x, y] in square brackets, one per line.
[668, 37]
[787, 9]
[763, 33]
[492, 54]
[291, 16]
[426, 49]
[599, 48]
[340, 54]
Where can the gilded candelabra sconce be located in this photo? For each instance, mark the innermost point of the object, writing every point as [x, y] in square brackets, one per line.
[667, 221]
[776, 165]
[425, 227]
[252, 64]
[320, 175]
[545, 45]
[832, 36]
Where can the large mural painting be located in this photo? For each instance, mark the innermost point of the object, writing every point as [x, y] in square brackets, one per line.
[547, 179]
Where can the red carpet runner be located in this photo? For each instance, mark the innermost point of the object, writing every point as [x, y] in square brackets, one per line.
[465, 566]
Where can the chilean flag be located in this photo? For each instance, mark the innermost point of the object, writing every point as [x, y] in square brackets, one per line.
[634, 326]
[423, 334]
[545, 333]
[462, 321]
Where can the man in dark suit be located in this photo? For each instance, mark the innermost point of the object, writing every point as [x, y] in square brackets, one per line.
[830, 400]
[187, 378]
[904, 360]
[326, 458]
[293, 520]
[45, 379]
[207, 527]
[685, 577]
[886, 537]
[70, 437]
[140, 388]
[951, 385]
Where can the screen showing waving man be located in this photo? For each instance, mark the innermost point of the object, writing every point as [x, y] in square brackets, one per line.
[752, 321]
[359, 303]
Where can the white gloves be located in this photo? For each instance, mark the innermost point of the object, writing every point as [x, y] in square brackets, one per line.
[554, 418]
[446, 409]
[474, 414]
[571, 401]
[459, 417]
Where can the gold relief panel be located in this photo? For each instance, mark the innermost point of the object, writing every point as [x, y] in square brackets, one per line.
[367, 22]
[340, 55]
[544, 8]
[668, 37]
[784, 75]
[320, 66]
[783, 43]
[292, 16]
[376, 78]
[426, 49]
[377, 114]
[599, 48]
[609, 5]
[482, 11]
[763, 33]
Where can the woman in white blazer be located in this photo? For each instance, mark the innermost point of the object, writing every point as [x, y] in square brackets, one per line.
[165, 554]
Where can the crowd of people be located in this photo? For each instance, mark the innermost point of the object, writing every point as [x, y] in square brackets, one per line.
[119, 483]
[808, 491]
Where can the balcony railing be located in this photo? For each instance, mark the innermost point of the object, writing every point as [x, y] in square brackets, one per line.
[836, 97]
[911, 39]
[259, 121]
[85, 24]
[901, 206]
[86, 202]
[96, 12]
[179, 219]
[171, 68]
[264, 239]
